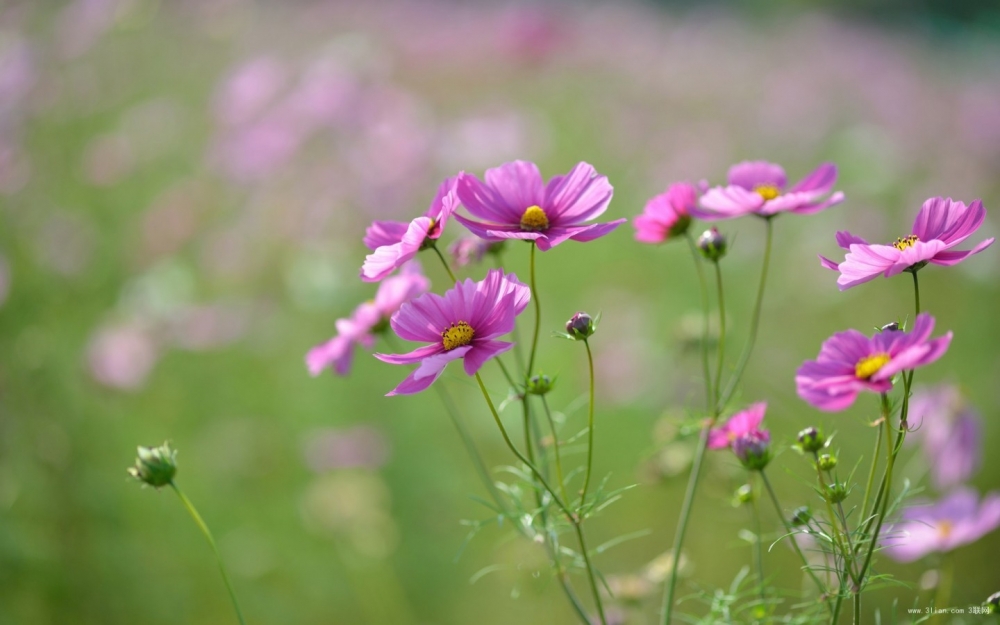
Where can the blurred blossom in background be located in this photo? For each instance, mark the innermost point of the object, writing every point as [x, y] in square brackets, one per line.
[184, 187]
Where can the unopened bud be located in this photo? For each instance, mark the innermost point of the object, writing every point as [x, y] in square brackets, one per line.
[827, 462]
[993, 601]
[539, 384]
[890, 327]
[155, 466]
[580, 326]
[837, 492]
[744, 494]
[801, 516]
[712, 244]
[811, 440]
[753, 449]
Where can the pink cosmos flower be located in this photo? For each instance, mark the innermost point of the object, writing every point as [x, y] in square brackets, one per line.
[516, 204]
[940, 225]
[950, 432]
[958, 519]
[463, 323]
[469, 250]
[758, 187]
[367, 319]
[740, 424]
[667, 215]
[850, 362]
[395, 242]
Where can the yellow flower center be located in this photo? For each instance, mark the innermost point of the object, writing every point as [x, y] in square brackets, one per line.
[534, 219]
[457, 335]
[944, 528]
[869, 365]
[904, 242]
[767, 191]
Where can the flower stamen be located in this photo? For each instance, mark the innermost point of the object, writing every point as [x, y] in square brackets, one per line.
[904, 242]
[458, 334]
[534, 219]
[944, 528]
[767, 191]
[870, 365]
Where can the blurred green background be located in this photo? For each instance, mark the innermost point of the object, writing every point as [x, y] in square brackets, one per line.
[183, 190]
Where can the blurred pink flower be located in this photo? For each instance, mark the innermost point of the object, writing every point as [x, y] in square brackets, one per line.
[740, 424]
[82, 23]
[360, 446]
[958, 519]
[950, 432]
[758, 188]
[248, 90]
[466, 251]
[940, 225]
[121, 356]
[666, 216]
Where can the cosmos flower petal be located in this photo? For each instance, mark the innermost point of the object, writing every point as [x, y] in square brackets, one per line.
[428, 372]
[382, 233]
[953, 257]
[484, 201]
[580, 195]
[386, 259]
[395, 290]
[820, 181]
[519, 184]
[337, 353]
[750, 174]
[727, 203]
[410, 358]
[481, 352]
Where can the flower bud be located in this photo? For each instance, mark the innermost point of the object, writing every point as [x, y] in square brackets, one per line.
[827, 462]
[890, 327]
[837, 492]
[993, 602]
[801, 516]
[753, 449]
[580, 326]
[712, 244]
[539, 384]
[811, 440]
[744, 494]
[155, 466]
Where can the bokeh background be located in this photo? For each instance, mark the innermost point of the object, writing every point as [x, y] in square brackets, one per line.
[183, 189]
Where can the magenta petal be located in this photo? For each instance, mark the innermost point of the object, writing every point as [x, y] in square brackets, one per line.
[410, 358]
[727, 203]
[866, 262]
[382, 233]
[751, 174]
[815, 207]
[580, 195]
[953, 257]
[820, 181]
[948, 220]
[428, 371]
[422, 319]
[827, 263]
[386, 259]
[499, 235]
[481, 352]
[484, 202]
[481, 230]
[336, 353]
[597, 231]
[519, 185]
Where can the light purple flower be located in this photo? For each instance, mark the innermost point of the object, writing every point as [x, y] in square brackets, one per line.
[950, 432]
[367, 319]
[464, 323]
[758, 188]
[941, 224]
[469, 250]
[395, 242]
[667, 215]
[850, 362]
[740, 424]
[958, 519]
[516, 203]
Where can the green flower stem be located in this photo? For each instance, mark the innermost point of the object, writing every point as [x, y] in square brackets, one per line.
[696, 257]
[754, 320]
[857, 608]
[916, 291]
[538, 314]
[788, 528]
[444, 262]
[865, 512]
[555, 448]
[841, 541]
[518, 348]
[943, 594]
[758, 545]
[572, 518]
[211, 541]
[590, 427]
[835, 619]
[720, 357]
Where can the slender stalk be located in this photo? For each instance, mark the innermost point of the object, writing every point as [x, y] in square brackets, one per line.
[758, 547]
[943, 594]
[696, 257]
[843, 541]
[916, 291]
[590, 427]
[720, 357]
[211, 541]
[538, 313]
[754, 320]
[891, 455]
[835, 619]
[788, 528]
[444, 262]
[857, 608]
[555, 447]
[518, 348]
[871, 475]
[555, 497]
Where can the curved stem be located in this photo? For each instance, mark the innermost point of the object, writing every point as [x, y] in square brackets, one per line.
[754, 320]
[871, 476]
[891, 459]
[555, 447]
[555, 497]
[590, 427]
[538, 314]
[840, 540]
[211, 541]
[445, 263]
[696, 257]
[720, 356]
[788, 528]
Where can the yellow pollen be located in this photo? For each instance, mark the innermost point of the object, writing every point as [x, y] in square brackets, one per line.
[767, 191]
[869, 365]
[534, 219]
[904, 242]
[457, 335]
[944, 528]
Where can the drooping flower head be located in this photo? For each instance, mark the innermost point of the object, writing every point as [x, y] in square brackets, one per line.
[958, 519]
[667, 215]
[463, 323]
[950, 432]
[367, 319]
[850, 362]
[515, 203]
[395, 242]
[468, 250]
[742, 433]
[758, 188]
[941, 224]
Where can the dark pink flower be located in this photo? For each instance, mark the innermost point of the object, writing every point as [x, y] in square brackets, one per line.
[367, 318]
[850, 362]
[758, 188]
[464, 323]
[940, 225]
[516, 203]
[395, 242]
[958, 519]
[950, 432]
[739, 424]
[667, 215]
